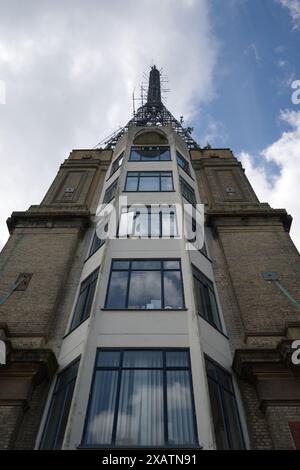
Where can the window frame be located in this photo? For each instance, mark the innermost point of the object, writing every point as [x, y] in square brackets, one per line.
[209, 285]
[119, 369]
[115, 165]
[149, 235]
[141, 148]
[51, 402]
[129, 271]
[186, 166]
[92, 249]
[183, 183]
[143, 174]
[112, 186]
[221, 388]
[84, 317]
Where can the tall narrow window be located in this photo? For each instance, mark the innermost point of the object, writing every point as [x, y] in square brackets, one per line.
[205, 299]
[149, 154]
[183, 163]
[228, 432]
[85, 300]
[149, 181]
[59, 408]
[187, 191]
[145, 285]
[141, 398]
[96, 244]
[116, 164]
[110, 192]
[148, 221]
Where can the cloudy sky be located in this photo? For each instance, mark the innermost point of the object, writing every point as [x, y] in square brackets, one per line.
[68, 69]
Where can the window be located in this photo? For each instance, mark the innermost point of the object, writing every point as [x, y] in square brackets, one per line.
[59, 408]
[96, 244]
[85, 300]
[145, 284]
[116, 164]
[187, 191]
[149, 154]
[183, 163]
[141, 398]
[228, 432]
[205, 299]
[148, 221]
[149, 181]
[110, 192]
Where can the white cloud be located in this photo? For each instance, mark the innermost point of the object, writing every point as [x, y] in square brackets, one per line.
[294, 9]
[70, 69]
[283, 190]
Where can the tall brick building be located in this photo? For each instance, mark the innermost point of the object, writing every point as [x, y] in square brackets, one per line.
[146, 339]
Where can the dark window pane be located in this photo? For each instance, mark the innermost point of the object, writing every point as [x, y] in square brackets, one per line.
[166, 183]
[108, 359]
[141, 417]
[218, 419]
[135, 154]
[165, 154]
[145, 290]
[79, 309]
[131, 183]
[102, 408]
[117, 290]
[110, 192]
[120, 264]
[85, 300]
[152, 154]
[96, 244]
[183, 163]
[173, 295]
[171, 264]
[181, 428]
[137, 359]
[233, 421]
[116, 164]
[145, 264]
[187, 192]
[149, 183]
[177, 359]
[59, 408]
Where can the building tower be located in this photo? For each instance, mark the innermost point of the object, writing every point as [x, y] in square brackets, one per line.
[149, 339]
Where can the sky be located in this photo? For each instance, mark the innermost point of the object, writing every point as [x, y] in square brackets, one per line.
[68, 69]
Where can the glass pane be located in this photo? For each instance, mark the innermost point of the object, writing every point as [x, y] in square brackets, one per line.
[66, 376]
[126, 223]
[171, 264]
[216, 409]
[236, 441]
[140, 414]
[214, 309]
[102, 408]
[211, 370]
[135, 154]
[120, 264]
[165, 154]
[149, 183]
[89, 301]
[108, 359]
[51, 429]
[131, 183]
[142, 359]
[166, 183]
[145, 290]
[146, 264]
[168, 224]
[225, 379]
[173, 295]
[177, 359]
[79, 309]
[117, 290]
[181, 428]
[64, 416]
[150, 154]
[198, 297]
[141, 228]
[155, 224]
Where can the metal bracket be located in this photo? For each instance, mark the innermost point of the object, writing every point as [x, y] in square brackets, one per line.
[273, 277]
[20, 284]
